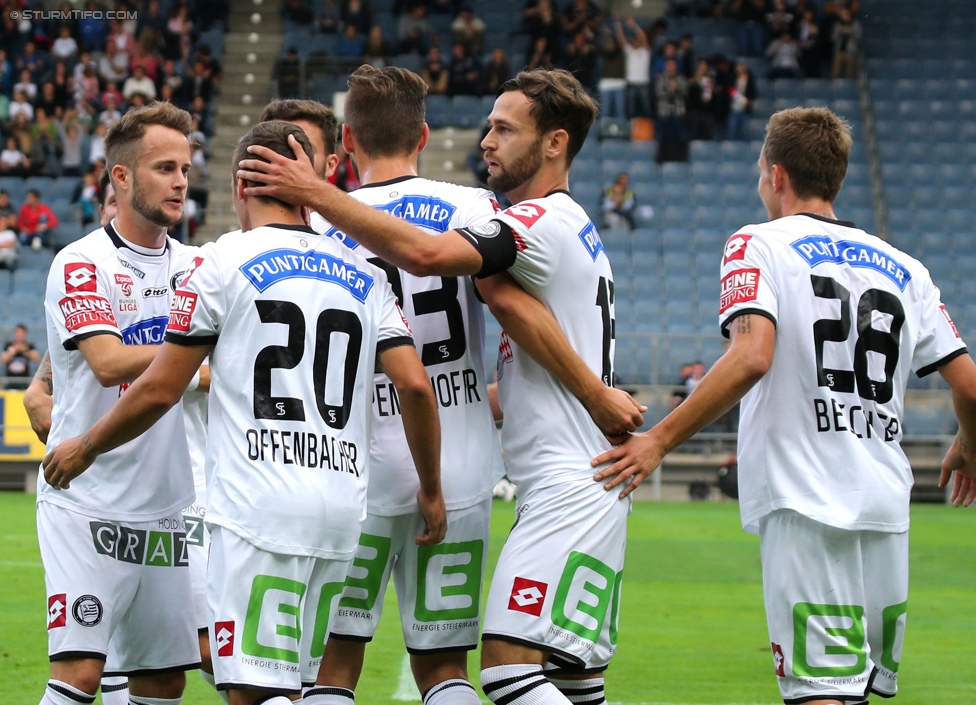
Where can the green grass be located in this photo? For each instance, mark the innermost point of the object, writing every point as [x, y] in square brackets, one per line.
[692, 625]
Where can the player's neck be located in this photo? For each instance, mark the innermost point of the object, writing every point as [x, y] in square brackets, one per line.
[138, 230]
[814, 206]
[541, 184]
[376, 171]
[259, 214]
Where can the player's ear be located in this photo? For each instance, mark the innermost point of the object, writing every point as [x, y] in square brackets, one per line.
[557, 143]
[348, 140]
[780, 177]
[331, 164]
[424, 137]
[120, 176]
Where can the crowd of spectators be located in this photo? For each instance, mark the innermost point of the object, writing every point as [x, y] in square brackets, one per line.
[66, 78]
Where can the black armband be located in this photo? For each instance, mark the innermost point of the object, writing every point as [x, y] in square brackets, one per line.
[495, 241]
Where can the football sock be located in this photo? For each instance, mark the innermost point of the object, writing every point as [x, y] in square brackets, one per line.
[588, 691]
[60, 693]
[146, 700]
[115, 690]
[209, 677]
[455, 691]
[520, 684]
[275, 700]
[328, 695]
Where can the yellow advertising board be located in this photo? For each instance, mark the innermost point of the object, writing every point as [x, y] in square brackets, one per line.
[17, 440]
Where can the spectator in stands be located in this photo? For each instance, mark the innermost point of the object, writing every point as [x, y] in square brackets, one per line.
[8, 212]
[17, 356]
[784, 57]
[199, 83]
[114, 65]
[327, 17]
[344, 176]
[701, 91]
[111, 114]
[612, 86]
[46, 146]
[671, 90]
[541, 56]
[847, 40]
[153, 19]
[13, 162]
[65, 46]
[92, 28]
[112, 91]
[811, 47]
[124, 42]
[139, 83]
[378, 50]
[96, 145]
[539, 20]
[170, 75]
[582, 59]
[358, 13]
[36, 221]
[26, 86]
[204, 54]
[64, 88]
[288, 73]
[48, 102]
[580, 16]
[695, 378]
[85, 197]
[297, 11]
[73, 145]
[464, 77]
[685, 54]
[742, 94]
[415, 31]
[751, 15]
[468, 30]
[8, 247]
[680, 391]
[435, 73]
[637, 68]
[497, 71]
[89, 89]
[146, 58]
[31, 60]
[351, 44]
[201, 113]
[179, 25]
[779, 20]
[6, 73]
[660, 61]
[619, 204]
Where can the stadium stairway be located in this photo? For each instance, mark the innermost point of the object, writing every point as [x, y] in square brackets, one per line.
[446, 155]
[252, 43]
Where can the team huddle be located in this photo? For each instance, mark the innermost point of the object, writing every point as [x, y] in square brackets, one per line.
[271, 426]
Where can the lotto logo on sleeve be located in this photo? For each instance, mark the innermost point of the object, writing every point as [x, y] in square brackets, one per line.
[181, 313]
[945, 312]
[527, 596]
[526, 213]
[738, 286]
[83, 311]
[79, 277]
[224, 635]
[57, 615]
[735, 248]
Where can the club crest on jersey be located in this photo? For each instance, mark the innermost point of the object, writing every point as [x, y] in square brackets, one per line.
[738, 286]
[591, 240]
[82, 311]
[527, 596]
[277, 265]
[79, 277]
[181, 312]
[945, 312]
[57, 611]
[526, 213]
[425, 211]
[735, 248]
[224, 636]
[817, 249]
[87, 610]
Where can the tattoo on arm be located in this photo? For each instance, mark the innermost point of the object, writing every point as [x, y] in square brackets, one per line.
[744, 323]
[86, 442]
[44, 374]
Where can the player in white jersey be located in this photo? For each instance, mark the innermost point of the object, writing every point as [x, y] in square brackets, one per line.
[555, 593]
[827, 323]
[113, 546]
[288, 459]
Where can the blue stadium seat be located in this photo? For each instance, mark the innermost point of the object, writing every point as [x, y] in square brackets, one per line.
[616, 149]
[682, 315]
[439, 111]
[467, 111]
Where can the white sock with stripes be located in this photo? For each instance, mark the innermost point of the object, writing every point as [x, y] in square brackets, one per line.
[455, 691]
[520, 684]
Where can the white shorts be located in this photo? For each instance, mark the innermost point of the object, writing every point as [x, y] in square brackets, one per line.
[271, 614]
[197, 550]
[117, 592]
[557, 584]
[438, 587]
[836, 603]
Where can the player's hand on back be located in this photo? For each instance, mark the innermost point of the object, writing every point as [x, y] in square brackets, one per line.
[630, 462]
[435, 513]
[960, 461]
[68, 461]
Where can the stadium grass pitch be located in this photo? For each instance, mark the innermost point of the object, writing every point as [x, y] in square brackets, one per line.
[691, 626]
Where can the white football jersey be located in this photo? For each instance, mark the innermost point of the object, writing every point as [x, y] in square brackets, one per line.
[548, 434]
[448, 325]
[296, 321]
[104, 285]
[820, 432]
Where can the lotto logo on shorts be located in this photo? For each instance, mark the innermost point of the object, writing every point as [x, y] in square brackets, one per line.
[945, 312]
[224, 635]
[738, 286]
[82, 311]
[778, 660]
[57, 615]
[181, 312]
[79, 277]
[735, 248]
[528, 596]
[526, 213]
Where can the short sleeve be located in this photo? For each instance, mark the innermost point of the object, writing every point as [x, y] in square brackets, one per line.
[475, 211]
[200, 302]
[747, 283]
[78, 300]
[535, 226]
[938, 339]
[394, 330]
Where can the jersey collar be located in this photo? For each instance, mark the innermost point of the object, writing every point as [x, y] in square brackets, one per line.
[290, 226]
[397, 180]
[845, 223]
[120, 243]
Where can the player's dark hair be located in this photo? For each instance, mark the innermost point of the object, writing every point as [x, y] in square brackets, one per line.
[813, 146]
[123, 137]
[385, 110]
[558, 102]
[314, 112]
[273, 135]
